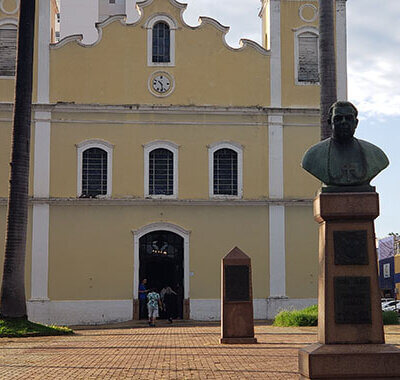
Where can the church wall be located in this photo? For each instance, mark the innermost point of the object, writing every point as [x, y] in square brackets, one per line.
[193, 134]
[5, 153]
[115, 70]
[294, 95]
[90, 261]
[28, 261]
[299, 134]
[301, 252]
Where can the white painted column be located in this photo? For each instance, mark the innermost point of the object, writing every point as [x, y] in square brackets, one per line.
[277, 241]
[275, 46]
[341, 49]
[41, 165]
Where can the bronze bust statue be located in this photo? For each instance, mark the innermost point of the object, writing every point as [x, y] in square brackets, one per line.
[343, 162]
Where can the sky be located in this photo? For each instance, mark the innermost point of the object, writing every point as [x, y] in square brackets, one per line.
[373, 76]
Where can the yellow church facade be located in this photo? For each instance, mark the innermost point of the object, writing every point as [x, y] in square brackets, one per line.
[159, 148]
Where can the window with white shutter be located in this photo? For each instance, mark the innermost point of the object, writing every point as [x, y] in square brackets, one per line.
[308, 58]
[8, 50]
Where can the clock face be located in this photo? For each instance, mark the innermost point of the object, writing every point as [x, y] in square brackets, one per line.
[161, 83]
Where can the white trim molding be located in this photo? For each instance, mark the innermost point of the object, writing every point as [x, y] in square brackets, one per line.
[10, 24]
[277, 251]
[173, 26]
[275, 46]
[100, 144]
[297, 35]
[238, 148]
[277, 304]
[40, 252]
[161, 226]
[44, 33]
[12, 12]
[148, 148]
[341, 49]
[277, 241]
[82, 312]
[314, 10]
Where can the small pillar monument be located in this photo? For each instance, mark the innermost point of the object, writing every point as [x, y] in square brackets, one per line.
[237, 321]
[351, 341]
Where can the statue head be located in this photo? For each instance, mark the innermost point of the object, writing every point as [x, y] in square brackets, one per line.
[343, 119]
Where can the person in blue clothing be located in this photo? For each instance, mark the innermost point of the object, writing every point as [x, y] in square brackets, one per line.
[143, 299]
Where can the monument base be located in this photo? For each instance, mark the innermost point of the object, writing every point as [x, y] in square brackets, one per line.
[349, 361]
[238, 340]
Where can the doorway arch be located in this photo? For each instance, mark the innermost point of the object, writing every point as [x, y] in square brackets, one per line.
[154, 227]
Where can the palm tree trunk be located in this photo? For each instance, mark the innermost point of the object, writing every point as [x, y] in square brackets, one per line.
[327, 63]
[12, 299]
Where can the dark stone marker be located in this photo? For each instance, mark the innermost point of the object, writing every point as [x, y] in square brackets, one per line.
[237, 280]
[237, 323]
[352, 300]
[350, 247]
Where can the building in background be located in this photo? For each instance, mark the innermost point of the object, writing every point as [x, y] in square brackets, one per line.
[157, 148]
[389, 266]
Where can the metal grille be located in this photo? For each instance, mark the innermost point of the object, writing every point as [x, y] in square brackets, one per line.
[8, 51]
[225, 172]
[308, 58]
[161, 42]
[161, 172]
[94, 172]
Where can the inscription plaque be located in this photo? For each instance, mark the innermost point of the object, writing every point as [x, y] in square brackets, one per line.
[350, 247]
[237, 284]
[352, 300]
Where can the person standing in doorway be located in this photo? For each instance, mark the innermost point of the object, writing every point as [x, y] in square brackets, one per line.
[143, 298]
[169, 301]
[153, 304]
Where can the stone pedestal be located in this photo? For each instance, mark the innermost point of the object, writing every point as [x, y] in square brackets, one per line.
[350, 328]
[237, 322]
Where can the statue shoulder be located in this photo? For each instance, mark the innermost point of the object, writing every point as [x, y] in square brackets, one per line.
[315, 154]
[374, 154]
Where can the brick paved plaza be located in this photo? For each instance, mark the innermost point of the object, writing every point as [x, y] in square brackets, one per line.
[182, 351]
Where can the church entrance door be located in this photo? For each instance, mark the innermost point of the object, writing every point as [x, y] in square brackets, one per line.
[161, 255]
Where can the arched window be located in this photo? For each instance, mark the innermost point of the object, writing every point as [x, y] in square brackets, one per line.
[161, 169]
[226, 170]
[306, 56]
[94, 168]
[8, 50]
[94, 172]
[161, 42]
[161, 172]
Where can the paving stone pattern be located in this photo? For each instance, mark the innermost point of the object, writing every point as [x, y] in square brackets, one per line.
[164, 352]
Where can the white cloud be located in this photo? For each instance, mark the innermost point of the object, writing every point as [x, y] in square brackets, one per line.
[373, 34]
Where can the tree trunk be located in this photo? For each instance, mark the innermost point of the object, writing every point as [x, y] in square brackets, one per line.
[12, 299]
[327, 63]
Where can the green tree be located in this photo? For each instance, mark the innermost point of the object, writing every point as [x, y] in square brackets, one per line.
[327, 63]
[12, 298]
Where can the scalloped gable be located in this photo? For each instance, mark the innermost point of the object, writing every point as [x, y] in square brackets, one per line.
[147, 10]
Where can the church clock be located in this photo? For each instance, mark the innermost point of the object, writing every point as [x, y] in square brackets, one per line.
[161, 83]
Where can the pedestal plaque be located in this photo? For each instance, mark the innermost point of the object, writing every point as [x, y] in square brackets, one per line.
[350, 329]
[237, 323]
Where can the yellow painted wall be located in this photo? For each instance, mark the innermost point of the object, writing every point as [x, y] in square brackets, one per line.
[294, 95]
[115, 70]
[90, 261]
[128, 158]
[5, 154]
[28, 259]
[301, 252]
[298, 137]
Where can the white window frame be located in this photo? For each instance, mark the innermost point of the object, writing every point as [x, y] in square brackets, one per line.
[297, 35]
[101, 144]
[9, 23]
[148, 148]
[172, 27]
[211, 150]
